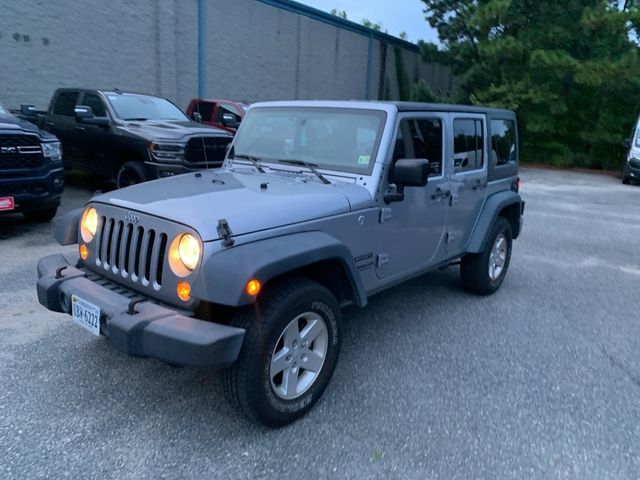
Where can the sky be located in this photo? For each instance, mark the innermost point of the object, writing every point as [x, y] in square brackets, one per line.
[395, 16]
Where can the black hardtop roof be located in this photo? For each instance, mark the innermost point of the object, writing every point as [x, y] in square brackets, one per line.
[446, 107]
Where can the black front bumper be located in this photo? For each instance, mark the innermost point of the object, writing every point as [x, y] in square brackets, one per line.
[36, 190]
[144, 330]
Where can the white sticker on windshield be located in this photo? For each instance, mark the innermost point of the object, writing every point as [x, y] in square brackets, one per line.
[363, 160]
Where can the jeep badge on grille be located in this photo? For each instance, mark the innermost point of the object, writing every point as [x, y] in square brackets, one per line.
[131, 218]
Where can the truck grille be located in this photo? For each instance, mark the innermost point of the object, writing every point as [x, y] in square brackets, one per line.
[131, 251]
[20, 151]
[215, 148]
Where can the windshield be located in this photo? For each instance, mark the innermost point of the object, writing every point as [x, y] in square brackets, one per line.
[2, 110]
[144, 107]
[342, 139]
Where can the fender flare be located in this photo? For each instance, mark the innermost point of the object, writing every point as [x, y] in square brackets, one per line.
[492, 207]
[66, 232]
[224, 275]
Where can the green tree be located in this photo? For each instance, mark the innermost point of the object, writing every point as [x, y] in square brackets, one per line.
[569, 68]
[339, 13]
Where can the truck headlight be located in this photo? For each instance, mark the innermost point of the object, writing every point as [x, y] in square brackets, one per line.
[166, 151]
[52, 150]
[89, 224]
[184, 254]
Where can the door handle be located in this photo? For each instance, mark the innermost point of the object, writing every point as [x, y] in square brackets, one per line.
[82, 129]
[50, 124]
[479, 185]
[439, 193]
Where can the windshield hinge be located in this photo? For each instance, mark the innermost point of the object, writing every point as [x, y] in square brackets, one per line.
[225, 233]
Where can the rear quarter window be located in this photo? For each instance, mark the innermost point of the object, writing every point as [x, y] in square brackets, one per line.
[503, 142]
[65, 103]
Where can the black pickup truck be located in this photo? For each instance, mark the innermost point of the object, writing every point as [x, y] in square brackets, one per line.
[128, 137]
[31, 171]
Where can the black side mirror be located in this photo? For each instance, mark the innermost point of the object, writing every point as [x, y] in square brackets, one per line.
[26, 109]
[229, 120]
[413, 172]
[85, 114]
[196, 117]
[626, 143]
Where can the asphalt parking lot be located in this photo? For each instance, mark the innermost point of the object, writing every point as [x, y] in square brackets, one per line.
[540, 380]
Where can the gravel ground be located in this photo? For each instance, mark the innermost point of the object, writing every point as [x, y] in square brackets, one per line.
[540, 380]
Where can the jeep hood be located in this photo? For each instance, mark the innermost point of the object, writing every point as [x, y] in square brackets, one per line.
[199, 200]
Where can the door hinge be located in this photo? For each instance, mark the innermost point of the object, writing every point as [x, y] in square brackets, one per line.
[385, 214]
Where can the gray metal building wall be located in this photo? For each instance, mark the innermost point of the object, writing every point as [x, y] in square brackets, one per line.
[253, 51]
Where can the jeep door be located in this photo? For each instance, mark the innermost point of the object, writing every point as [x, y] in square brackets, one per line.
[412, 230]
[468, 177]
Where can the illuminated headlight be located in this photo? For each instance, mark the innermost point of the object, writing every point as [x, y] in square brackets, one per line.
[166, 151]
[184, 254]
[89, 224]
[52, 150]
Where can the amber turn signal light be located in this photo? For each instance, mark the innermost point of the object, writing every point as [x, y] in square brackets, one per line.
[84, 251]
[253, 287]
[184, 291]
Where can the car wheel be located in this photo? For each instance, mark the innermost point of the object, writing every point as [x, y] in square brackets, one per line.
[290, 350]
[40, 216]
[626, 180]
[130, 173]
[483, 273]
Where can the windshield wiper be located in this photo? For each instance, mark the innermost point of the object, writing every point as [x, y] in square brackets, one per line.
[253, 160]
[310, 166]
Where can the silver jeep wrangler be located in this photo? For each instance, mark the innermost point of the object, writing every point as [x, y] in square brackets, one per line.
[318, 205]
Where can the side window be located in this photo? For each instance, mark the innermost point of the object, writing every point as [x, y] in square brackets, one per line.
[421, 138]
[503, 142]
[65, 103]
[92, 100]
[205, 109]
[468, 141]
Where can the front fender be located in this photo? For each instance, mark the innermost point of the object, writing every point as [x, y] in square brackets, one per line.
[66, 232]
[224, 275]
[492, 207]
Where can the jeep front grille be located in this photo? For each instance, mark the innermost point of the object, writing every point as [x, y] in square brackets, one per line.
[20, 151]
[214, 147]
[130, 250]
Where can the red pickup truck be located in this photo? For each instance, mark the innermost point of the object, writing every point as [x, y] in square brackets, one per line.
[225, 114]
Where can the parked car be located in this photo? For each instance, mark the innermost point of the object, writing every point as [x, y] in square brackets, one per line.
[319, 205]
[130, 137]
[225, 114]
[631, 169]
[31, 172]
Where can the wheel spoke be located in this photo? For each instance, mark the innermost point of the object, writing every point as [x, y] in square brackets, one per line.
[291, 334]
[290, 382]
[279, 362]
[311, 331]
[314, 361]
[500, 243]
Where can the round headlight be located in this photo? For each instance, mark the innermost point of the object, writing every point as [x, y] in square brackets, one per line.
[89, 224]
[189, 250]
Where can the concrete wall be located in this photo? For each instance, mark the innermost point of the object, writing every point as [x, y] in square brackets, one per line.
[254, 51]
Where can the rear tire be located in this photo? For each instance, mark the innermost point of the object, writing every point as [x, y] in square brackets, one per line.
[130, 173]
[293, 325]
[483, 273]
[40, 216]
[626, 180]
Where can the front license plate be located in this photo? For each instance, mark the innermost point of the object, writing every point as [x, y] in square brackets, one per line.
[86, 314]
[7, 203]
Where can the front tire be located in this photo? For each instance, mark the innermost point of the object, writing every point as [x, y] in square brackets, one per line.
[626, 180]
[289, 352]
[483, 273]
[130, 173]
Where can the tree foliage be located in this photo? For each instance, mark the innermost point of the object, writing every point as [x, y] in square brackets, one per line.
[570, 68]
